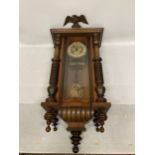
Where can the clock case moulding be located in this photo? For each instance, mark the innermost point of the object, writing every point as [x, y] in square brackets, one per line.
[76, 113]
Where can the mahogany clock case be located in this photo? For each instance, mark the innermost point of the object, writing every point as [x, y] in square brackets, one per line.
[76, 111]
[76, 86]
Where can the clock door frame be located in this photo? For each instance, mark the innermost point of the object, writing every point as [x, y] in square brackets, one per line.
[80, 102]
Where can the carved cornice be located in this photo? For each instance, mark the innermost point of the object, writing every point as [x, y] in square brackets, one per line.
[82, 31]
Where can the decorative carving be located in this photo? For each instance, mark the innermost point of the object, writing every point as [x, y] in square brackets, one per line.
[53, 79]
[54, 70]
[70, 114]
[76, 140]
[100, 89]
[57, 40]
[51, 115]
[51, 112]
[99, 118]
[55, 119]
[96, 39]
[48, 118]
[75, 20]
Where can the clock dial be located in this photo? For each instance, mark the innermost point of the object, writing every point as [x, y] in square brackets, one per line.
[77, 50]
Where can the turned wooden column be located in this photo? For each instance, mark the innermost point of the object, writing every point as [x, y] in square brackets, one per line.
[99, 113]
[100, 89]
[52, 89]
[49, 105]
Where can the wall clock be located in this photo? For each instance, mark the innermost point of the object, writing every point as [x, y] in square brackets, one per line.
[76, 87]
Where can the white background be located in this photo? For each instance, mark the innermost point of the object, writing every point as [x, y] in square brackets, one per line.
[144, 77]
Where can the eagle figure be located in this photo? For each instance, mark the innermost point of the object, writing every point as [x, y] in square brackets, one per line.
[75, 20]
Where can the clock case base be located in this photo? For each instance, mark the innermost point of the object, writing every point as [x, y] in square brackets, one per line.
[76, 116]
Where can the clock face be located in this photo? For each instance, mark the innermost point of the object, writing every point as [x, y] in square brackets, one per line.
[77, 50]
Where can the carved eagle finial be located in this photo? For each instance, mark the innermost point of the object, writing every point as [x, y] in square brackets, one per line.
[75, 20]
